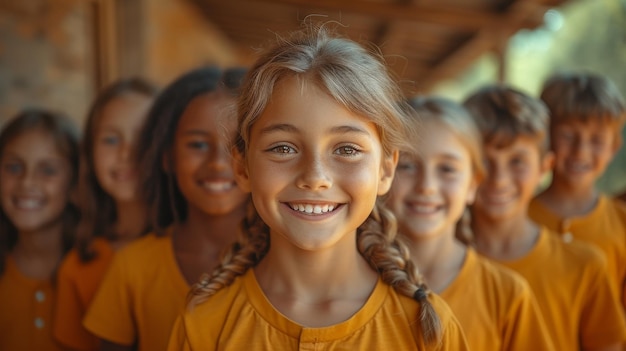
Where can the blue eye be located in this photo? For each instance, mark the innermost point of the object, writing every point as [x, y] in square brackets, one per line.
[110, 140]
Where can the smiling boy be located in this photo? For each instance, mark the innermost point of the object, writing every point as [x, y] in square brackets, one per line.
[569, 279]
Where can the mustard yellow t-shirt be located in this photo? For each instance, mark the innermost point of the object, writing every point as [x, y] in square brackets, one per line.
[574, 293]
[239, 317]
[26, 307]
[496, 308]
[604, 227]
[140, 297]
[77, 283]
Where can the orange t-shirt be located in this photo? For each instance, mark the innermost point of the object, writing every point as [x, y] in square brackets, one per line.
[570, 282]
[77, 283]
[604, 227]
[239, 317]
[496, 307]
[26, 307]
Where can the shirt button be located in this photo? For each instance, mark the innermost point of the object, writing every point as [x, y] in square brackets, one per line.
[39, 323]
[40, 296]
[568, 237]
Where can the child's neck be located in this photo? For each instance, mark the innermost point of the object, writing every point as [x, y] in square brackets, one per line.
[439, 259]
[316, 288]
[505, 240]
[131, 222]
[200, 240]
[567, 201]
[37, 253]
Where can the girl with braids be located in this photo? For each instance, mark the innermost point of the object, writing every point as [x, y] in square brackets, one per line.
[112, 211]
[429, 195]
[195, 209]
[316, 267]
[38, 174]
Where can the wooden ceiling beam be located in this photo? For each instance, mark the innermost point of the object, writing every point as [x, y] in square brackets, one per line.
[521, 14]
[461, 19]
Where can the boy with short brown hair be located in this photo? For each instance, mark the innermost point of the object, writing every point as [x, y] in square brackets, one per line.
[587, 113]
[570, 282]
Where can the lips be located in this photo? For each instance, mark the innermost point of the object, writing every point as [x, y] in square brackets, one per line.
[310, 208]
[124, 175]
[424, 208]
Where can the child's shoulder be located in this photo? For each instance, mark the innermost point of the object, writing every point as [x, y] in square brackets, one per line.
[574, 253]
[496, 277]
[72, 263]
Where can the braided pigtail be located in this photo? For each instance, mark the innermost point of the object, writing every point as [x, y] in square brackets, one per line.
[377, 243]
[251, 247]
[463, 231]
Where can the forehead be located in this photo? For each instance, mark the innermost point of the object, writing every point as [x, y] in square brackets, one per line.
[33, 144]
[298, 102]
[209, 112]
[590, 126]
[437, 138]
[128, 108]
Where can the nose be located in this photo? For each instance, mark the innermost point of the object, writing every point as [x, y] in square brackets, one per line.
[496, 176]
[219, 157]
[426, 181]
[580, 147]
[314, 173]
[125, 151]
[28, 179]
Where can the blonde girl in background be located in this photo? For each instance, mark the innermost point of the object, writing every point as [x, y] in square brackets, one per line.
[318, 266]
[430, 193]
[38, 173]
[112, 210]
[195, 209]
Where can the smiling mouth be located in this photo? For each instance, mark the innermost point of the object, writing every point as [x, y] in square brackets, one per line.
[218, 186]
[28, 204]
[313, 208]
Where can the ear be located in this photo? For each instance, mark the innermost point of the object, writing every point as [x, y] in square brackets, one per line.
[387, 172]
[547, 163]
[240, 170]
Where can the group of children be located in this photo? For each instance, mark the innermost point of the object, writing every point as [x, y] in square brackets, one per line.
[305, 203]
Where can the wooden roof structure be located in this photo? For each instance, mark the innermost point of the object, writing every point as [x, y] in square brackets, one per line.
[424, 41]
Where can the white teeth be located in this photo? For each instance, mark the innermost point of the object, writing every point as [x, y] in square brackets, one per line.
[29, 204]
[424, 208]
[217, 186]
[309, 208]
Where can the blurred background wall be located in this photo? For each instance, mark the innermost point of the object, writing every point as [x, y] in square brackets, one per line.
[58, 53]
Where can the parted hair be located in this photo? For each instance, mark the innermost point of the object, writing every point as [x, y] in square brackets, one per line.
[66, 134]
[166, 202]
[97, 206]
[356, 78]
[504, 114]
[455, 118]
[584, 97]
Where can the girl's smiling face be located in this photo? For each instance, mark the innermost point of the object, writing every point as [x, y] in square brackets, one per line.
[35, 181]
[116, 136]
[314, 168]
[201, 156]
[431, 189]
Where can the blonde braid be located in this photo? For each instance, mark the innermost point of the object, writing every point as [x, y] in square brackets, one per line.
[251, 247]
[378, 244]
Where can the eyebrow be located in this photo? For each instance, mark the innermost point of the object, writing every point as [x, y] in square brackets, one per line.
[284, 127]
